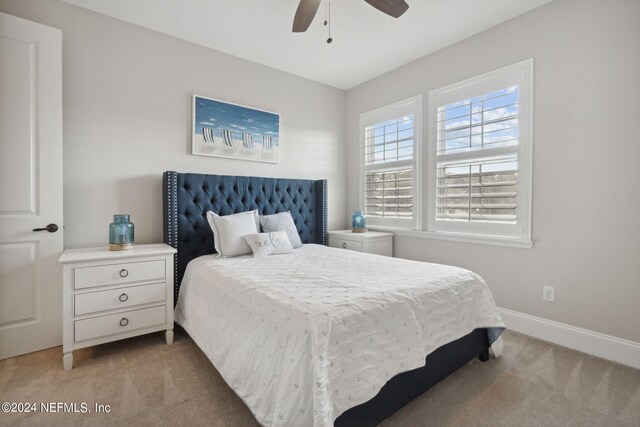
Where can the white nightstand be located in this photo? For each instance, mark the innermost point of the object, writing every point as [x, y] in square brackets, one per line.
[111, 295]
[373, 242]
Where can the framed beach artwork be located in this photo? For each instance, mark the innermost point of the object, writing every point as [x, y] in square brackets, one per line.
[222, 129]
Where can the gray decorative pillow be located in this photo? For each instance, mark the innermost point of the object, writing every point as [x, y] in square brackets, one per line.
[265, 244]
[282, 221]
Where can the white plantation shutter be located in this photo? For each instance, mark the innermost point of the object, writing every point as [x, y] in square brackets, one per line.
[389, 147]
[480, 155]
[477, 160]
[389, 141]
[389, 194]
[477, 191]
[389, 168]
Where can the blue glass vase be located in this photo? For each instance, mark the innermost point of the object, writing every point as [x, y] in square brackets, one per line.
[358, 223]
[121, 233]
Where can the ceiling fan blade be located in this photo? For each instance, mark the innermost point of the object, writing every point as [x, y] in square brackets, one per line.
[304, 15]
[393, 8]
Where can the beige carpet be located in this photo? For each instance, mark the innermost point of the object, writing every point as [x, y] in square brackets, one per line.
[148, 383]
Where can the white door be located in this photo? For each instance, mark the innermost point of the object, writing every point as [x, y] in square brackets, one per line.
[30, 186]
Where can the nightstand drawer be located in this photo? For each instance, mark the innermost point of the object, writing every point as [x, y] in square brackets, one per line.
[345, 244]
[371, 242]
[97, 327]
[113, 274]
[116, 298]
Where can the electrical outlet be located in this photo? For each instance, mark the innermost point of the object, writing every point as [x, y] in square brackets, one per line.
[549, 293]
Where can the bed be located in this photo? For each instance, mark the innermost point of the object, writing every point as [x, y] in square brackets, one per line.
[315, 338]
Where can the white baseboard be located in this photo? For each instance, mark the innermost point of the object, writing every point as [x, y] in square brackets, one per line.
[605, 346]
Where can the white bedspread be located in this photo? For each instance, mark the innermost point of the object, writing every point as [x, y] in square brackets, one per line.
[303, 337]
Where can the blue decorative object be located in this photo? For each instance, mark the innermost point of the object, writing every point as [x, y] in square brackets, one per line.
[358, 224]
[121, 233]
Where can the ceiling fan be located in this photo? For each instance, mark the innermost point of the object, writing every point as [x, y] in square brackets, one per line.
[307, 11]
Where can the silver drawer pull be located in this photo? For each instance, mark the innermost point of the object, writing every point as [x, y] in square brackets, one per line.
[123, 297]
[123, 273]
[124, 321]
[344, 246]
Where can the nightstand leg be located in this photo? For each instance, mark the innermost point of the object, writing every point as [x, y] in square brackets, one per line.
[169, 336]
[67, 360]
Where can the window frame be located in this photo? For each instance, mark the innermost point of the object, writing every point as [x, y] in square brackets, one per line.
[412, 105]
[520, 74]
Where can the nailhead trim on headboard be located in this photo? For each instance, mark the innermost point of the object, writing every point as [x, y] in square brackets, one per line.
[187, 197]
[325, 213]
[170, 201]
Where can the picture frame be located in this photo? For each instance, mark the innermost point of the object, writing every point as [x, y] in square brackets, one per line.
[234, 131]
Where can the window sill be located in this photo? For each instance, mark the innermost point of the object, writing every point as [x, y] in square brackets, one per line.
[459, 237]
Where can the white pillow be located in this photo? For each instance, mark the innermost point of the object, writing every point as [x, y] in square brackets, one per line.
[265, 244]
[229, 229]
[282, 221]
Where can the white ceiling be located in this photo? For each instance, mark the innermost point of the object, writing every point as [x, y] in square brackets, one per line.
[366, 43]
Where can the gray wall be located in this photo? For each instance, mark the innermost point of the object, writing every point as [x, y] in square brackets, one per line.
[127, 117]
[586, 179]
[127, 88]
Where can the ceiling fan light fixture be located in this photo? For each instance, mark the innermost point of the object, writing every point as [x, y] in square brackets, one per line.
[307, 10]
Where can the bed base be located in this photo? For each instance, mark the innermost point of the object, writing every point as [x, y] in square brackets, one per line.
[405, 387]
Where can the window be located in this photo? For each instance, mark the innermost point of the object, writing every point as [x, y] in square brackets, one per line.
[389, 171]
[480, 155]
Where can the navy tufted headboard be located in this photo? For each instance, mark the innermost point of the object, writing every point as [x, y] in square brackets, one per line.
[188, 197]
